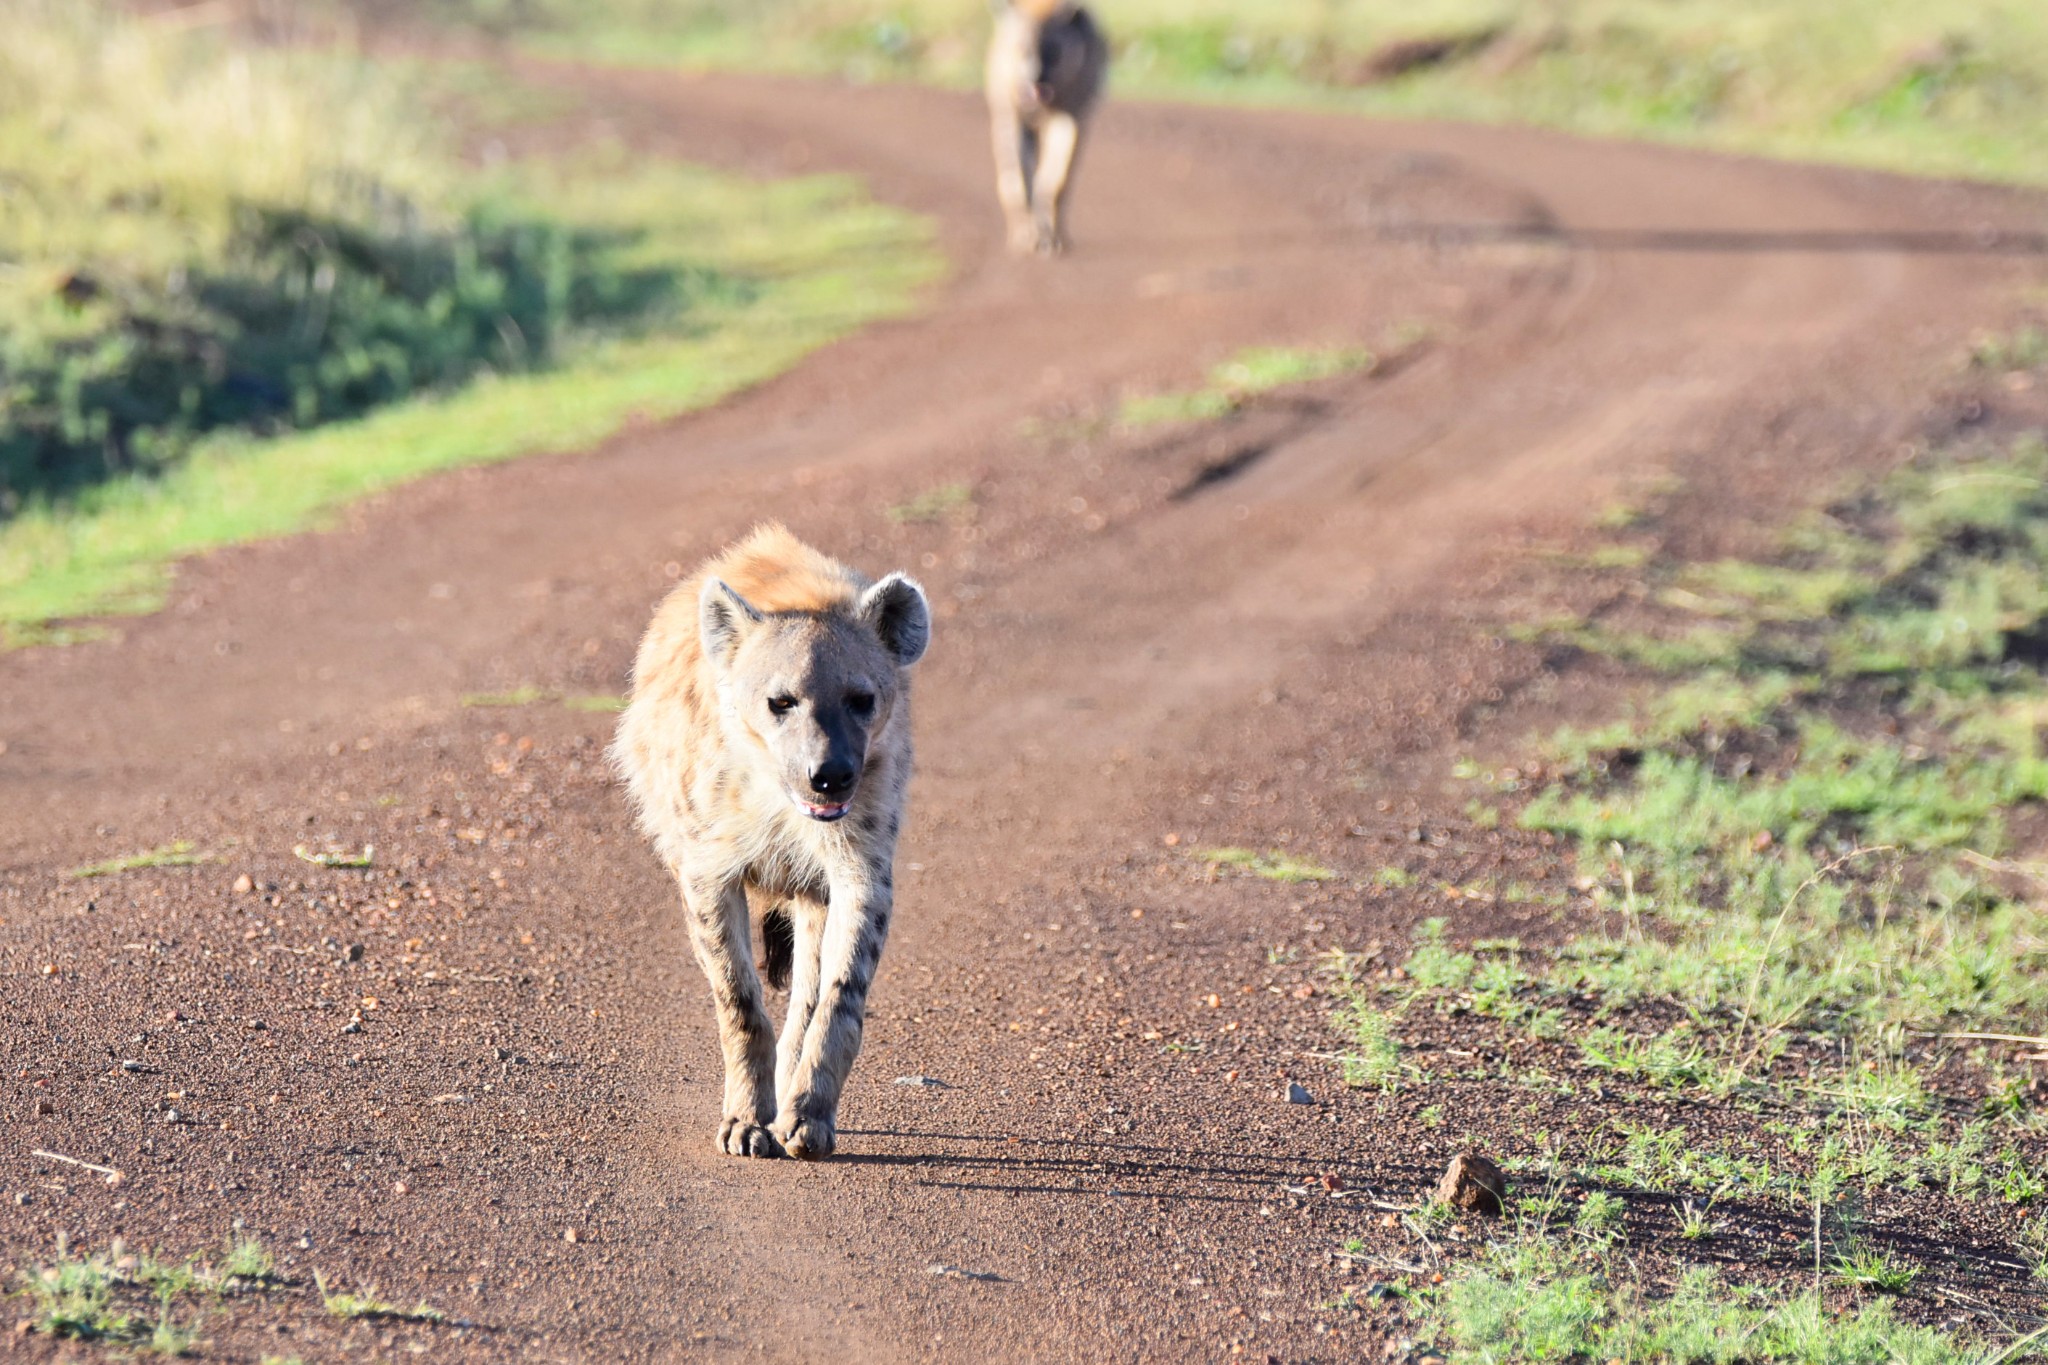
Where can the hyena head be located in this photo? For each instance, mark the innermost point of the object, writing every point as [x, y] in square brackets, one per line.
[808, 695]
[1035, 59]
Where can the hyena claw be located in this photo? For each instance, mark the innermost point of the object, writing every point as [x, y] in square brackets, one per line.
[744, 1137]
[806, 1139]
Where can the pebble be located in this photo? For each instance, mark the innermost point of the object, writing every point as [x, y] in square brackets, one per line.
[1297, 1093]
[923, 1082]
[244, 884]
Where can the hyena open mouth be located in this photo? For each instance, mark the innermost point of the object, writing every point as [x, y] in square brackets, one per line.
[827, 814]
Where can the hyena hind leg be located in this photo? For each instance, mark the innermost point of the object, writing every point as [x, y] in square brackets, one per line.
[718, 935]
[1059, 149]
[775, 937]
[1016, 153]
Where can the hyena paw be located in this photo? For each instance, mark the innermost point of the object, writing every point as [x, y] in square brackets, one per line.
[807, 1139]
[1023, 239]
[1050, 242]
[745, 1137]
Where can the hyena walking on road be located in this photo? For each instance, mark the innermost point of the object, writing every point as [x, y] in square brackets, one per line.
[767, 747]
[1046, 65]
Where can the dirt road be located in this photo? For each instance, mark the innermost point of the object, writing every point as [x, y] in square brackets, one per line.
[481, 1074]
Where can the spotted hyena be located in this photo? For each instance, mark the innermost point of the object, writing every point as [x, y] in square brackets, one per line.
[767, 747]
[1046, 65]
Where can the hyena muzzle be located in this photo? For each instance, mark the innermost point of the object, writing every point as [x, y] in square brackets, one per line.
[767, 747]
[1046, 65]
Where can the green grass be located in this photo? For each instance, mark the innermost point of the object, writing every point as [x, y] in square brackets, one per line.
[139, 1302]
[526, 694]
[1243, 377]
[1795, 906]
[1274, 866]
[935, 504]
[179, 854]
[343, 1303]
[335, 857]
[817, 261]
[1536, 1295]
[1951, 89]
[206, 237]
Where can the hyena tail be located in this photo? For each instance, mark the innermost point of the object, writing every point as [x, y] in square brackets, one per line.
[778, 947]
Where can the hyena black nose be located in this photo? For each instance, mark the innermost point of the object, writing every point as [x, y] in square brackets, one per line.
[833, 779]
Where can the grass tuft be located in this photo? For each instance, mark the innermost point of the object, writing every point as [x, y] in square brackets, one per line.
[366, 1304]
[1274, 866]
[179, 854]
[1240, 379]
[936, 504]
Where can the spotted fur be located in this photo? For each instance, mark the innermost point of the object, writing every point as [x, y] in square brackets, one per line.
[767, 748]
[1046, 65]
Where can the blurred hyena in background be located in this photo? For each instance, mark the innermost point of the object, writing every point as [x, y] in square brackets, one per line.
[1046, 65]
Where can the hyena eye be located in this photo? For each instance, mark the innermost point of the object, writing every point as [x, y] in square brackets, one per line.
[782, 705]
[861, 703]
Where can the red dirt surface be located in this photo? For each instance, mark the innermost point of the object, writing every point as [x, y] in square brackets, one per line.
[1274, 632]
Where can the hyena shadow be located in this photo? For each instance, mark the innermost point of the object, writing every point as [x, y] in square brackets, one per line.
[1106, 1166]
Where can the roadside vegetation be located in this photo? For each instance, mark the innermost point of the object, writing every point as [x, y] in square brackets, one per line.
[243, 288]
[136, 1300]
[1236, 381]
[1952, 89]
[1796, 1034]
[131, 1303]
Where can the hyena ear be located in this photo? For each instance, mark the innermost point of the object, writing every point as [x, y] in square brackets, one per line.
[722, 616]
[896, 611]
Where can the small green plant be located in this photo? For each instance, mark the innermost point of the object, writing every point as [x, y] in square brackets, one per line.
[1240, 379]
[1600, 1215]
[135, 1300]
[1866, 1267]
[179, 854]
[526, 694]
[335, 857]
[366, 1304]
[1275, 866]
[598, 702]
[935, 504]
[1374, 1060]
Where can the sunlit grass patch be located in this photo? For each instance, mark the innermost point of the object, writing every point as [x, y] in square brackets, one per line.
[332, 856]
[179, 854]
[935, 504]
[1274, 866]
[137, 1301]
[1954, 89]
[526, 694]
[817, 261]
[1536, 1295]
[365, 1303]
[1805, 915]
[1241, 378]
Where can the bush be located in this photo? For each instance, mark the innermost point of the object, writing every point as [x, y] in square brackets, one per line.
[202, 237]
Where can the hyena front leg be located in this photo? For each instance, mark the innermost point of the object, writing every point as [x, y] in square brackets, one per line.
[856, 927]
[1013, 177]
[808, 922]
[1059, 145]
[718, 934]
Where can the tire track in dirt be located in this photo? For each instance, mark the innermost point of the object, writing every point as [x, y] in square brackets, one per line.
[1096, 684]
